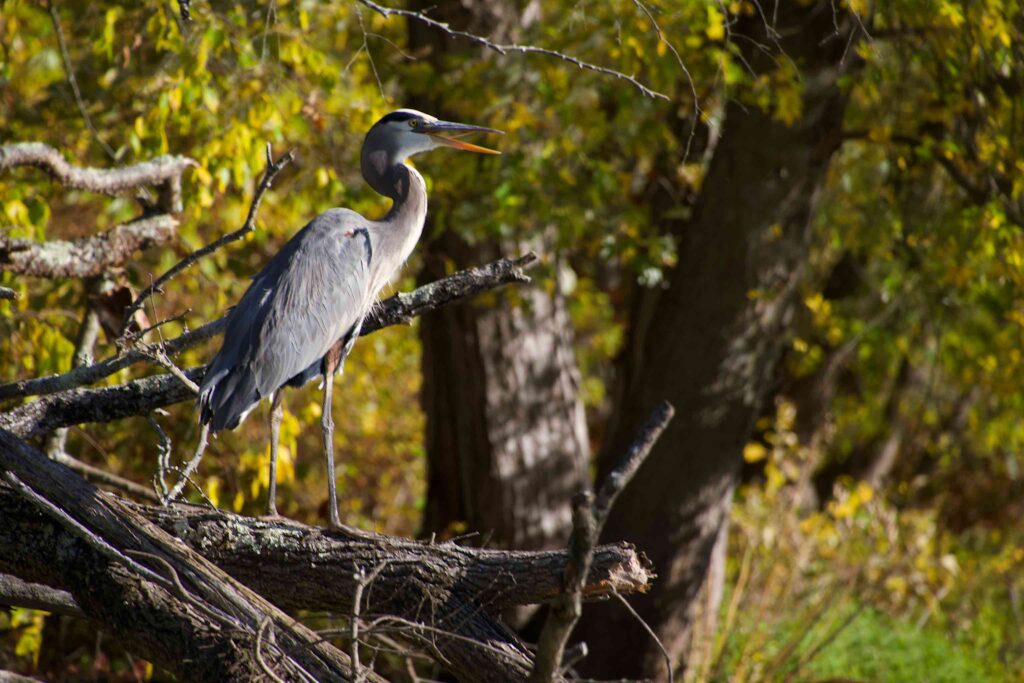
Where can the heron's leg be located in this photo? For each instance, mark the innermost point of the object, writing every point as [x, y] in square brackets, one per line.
[350, 341]
[327, 425]
[190, 467]
[276, 412]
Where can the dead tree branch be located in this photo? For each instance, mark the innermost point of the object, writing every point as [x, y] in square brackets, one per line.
[504, 49]
[306, 567]
[449, 594]
[87, 256]
[164, 172]
[168, 603]
[588, 518]
[16, 592]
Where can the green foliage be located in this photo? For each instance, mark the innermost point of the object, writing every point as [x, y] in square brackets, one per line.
[924, 200]
[859, 589]
[874, 647]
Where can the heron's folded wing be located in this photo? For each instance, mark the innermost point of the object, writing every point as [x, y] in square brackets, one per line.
[307, 298]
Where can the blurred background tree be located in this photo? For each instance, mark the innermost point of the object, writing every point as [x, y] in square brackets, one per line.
[813, 247]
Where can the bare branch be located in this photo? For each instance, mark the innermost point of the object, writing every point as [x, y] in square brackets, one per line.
[69, 73]
[650, 631]
[186, 10]
[16, 592]
[101, 476]
[362, 581]
[197, 621]
[162, 171]
[682, 65]
[623, 473]
[504, 49]
[272, 169]
[159, 356]
[452, 592]
[398, 309]
[588, 518]
[86, 256]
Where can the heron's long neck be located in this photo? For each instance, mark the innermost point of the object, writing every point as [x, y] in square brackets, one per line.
[400, 229]
[408, 193]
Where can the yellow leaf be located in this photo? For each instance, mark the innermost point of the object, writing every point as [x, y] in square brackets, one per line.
[754, 452]
[716, 24]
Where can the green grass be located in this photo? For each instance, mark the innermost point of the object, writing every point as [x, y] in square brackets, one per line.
[872, 647]
[875, 647]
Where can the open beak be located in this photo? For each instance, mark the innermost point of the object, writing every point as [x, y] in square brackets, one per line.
[447, 133]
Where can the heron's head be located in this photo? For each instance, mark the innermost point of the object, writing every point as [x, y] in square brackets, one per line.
[405, 132]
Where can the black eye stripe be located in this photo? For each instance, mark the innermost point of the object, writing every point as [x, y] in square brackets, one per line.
[398, 117]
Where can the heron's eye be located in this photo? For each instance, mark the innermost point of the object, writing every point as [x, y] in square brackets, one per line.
[414, 123]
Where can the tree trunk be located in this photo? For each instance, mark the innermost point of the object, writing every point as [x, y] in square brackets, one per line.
[506, 435]
[709, 343]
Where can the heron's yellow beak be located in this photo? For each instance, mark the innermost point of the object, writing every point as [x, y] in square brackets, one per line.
[448, 134]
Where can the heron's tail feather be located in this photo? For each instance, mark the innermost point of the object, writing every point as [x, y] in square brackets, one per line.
[227, 397]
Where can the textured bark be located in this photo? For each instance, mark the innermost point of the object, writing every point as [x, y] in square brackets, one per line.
[305, 567]
[164, 172]
[506, 435]
[161, 599]
[708, 345]
[88, 256]
[445, 587]
[19, 593]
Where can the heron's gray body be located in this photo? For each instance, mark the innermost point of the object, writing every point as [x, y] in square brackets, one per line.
[304, 310]
[309, 297]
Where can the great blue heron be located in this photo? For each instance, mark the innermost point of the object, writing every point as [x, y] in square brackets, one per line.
[303, 311]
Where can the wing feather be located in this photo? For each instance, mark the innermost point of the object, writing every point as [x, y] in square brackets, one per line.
[306, 298]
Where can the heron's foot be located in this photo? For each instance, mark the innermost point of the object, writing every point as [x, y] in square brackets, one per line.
[273, 517]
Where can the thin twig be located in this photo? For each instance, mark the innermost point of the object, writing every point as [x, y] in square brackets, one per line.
[272, 169]
[259, 656]
[69, 73]
[204, 434]
[403, 623]
[365, 47]
[158, 356]
[270, 21]
[588, 518]
[682, 65]
[163, 459]
[503, 49]
[650, 632]
[362, 580]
